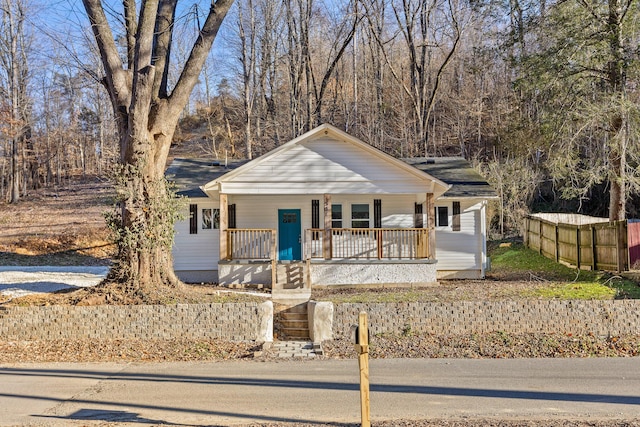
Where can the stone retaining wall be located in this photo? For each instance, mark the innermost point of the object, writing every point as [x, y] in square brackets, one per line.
[252, 321]
[230, 322]
[600, 318]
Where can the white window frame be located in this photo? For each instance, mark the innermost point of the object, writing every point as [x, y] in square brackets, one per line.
[369, 219]
[437, 213]
[214, 219]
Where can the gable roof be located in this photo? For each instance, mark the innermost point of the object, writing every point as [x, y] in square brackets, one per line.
[465, 181]
[324, 160]
[191, 176]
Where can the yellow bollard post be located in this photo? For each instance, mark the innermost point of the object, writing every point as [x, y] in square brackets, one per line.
[362, 347]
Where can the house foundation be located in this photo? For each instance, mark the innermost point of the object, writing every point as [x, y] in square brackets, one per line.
[373, 272]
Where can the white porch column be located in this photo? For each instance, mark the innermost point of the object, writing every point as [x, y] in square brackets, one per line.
[224, 224]
[327, 240]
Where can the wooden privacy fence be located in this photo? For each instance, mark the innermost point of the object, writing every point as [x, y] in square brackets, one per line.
[597, 245]
[633, 233]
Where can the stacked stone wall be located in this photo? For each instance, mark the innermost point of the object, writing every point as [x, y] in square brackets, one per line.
[247, 321]
[602, 318]
[230, 322]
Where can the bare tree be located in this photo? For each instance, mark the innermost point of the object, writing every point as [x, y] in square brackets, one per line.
[14, 46]
[431, 30]
[147, 110]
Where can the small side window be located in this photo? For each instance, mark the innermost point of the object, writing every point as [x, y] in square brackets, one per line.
[442, 216]
[210, 219]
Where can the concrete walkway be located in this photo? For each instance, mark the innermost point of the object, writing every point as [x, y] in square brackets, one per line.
[18, 281]
[316, 391]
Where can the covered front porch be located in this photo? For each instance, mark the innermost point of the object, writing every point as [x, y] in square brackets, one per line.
[292, 256]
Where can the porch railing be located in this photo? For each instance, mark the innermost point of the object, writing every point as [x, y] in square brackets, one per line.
[370, 243]
[251, 243]
[350, 243]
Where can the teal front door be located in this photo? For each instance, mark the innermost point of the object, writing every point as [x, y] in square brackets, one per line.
[289, 235]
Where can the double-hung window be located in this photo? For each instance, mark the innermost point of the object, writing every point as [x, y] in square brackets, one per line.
[360, 215]
[442, 216]
[210, 219]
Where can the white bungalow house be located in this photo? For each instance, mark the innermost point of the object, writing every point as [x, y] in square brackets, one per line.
[333, 210]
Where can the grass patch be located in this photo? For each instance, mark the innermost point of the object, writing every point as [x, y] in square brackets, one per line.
[569, 291]
[557, 281]
[380, 296]
[521, 260]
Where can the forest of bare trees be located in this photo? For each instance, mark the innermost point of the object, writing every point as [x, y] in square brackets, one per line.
[541, 95]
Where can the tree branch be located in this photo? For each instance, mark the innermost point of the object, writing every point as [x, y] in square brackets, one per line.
[162, 48]
[131, 27]
[191, 71]
[144, 39]
[118, 84]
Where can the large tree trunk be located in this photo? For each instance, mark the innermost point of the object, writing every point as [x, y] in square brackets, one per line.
[617, 126]
[147, 113]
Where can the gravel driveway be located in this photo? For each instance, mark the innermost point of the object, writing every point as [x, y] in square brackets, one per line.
[20, 281]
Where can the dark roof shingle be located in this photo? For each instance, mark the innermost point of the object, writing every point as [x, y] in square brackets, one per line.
[458, 172]
[189, 174]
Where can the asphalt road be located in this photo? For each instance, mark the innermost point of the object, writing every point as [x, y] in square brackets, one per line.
[317, 391]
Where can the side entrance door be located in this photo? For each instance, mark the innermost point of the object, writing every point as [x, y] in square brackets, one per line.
[289, 235]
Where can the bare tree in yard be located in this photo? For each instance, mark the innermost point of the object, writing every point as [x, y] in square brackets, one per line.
[432, 31]
[147, 113]
[14, 46]
[309, 77]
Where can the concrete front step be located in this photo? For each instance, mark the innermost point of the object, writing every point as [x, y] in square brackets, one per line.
[302, 348]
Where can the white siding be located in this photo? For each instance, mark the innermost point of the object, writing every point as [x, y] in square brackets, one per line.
[455, 250]
[262, 211]
[325, 166]
[196, 252]
[461, 250]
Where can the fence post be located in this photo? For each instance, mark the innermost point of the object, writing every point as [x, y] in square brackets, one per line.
[578, 260]
[594, 261]
[557, 244]
[526, 231]
[540, 236]
[622, 245]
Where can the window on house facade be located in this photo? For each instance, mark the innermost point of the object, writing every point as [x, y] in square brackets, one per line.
[210, 219]
[442, 216]
[360, 215]
[336, 216]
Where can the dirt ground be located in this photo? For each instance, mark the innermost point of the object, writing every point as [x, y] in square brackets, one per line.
[58, 226]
